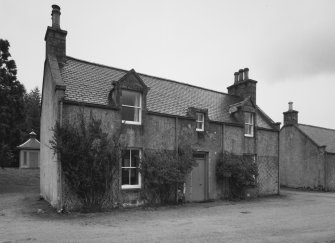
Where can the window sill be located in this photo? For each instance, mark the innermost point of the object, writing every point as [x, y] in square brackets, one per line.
[199, 130]
[134, 187]
[248, 135]
[131, 123]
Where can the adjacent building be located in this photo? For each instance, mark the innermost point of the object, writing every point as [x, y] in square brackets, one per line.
[307, 154]
[30, 152]
[155, 113]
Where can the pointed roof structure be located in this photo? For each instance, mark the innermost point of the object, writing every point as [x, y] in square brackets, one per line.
[31, 143]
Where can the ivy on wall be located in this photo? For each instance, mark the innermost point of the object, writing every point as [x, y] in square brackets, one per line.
[241, 171]
[89, 159]
[164, 172]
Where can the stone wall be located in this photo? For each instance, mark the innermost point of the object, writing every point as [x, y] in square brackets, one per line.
[330, 170]
[301, 161]
[49, 167]
[159, 131]
[268, 162]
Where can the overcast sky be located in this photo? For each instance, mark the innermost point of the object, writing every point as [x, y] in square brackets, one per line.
[289, 46]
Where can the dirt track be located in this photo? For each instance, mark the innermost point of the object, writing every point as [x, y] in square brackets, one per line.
[292, 217]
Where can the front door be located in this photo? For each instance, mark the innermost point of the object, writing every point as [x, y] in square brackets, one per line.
[199, 179]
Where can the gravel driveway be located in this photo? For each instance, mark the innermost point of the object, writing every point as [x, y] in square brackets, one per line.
[294, 216]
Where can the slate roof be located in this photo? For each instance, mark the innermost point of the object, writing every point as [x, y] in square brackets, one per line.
[321, 136]
[89, 82]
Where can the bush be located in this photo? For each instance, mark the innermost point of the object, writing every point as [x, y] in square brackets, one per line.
[240, 170]
[89, 160]
[164, 172]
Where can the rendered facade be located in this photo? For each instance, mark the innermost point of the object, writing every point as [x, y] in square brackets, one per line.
[307, 154]
[155, 113]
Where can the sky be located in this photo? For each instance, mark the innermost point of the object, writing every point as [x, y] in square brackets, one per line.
[288, 45]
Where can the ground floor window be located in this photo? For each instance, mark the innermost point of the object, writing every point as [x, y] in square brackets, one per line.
[131, 177]
[25, 159]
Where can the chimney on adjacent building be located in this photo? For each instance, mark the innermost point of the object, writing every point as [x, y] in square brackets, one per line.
[55, 37]
[290, 116]
[243, 86]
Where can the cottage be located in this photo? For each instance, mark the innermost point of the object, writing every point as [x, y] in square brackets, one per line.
[30, 152]
[307, 154]
[156, 113]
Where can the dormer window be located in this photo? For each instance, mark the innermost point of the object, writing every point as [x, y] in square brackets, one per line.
[131, 102]
[248, 124]
[200, 122]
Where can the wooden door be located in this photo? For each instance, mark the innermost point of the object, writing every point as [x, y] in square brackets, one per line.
[199, 180]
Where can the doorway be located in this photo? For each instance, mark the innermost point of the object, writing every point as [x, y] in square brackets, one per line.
[199, 178]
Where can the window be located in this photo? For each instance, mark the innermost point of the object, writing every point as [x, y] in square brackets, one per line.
[130, 172]
[25, 158]
[248, 124]
[200, 122]
[131, 107]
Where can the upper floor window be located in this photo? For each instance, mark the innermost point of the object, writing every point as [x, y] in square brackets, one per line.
[248, 124]
[200, 121]
[131, 102]
[130, 172]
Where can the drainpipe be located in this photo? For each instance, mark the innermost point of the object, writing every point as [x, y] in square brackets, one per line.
[58, 157]
[278, 162]
[176, 133]
[324, 155]
[176, 148]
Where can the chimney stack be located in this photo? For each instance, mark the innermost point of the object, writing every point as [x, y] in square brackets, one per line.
[55, 16]
[243, 86]
[290, 116]
[55, 37]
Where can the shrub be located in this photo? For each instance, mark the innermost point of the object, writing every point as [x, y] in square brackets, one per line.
[164, 172]
[240, 170]
[89, 160]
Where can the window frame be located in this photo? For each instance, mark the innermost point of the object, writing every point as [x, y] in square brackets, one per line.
[139, 185]
[202, 122]
[250, 123]
[139, 122]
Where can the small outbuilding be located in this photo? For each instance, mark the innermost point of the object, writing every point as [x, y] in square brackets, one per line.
[30, 152]
[307, 154]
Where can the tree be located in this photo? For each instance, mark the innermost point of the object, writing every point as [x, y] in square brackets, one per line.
[32, 102]
[12, 114]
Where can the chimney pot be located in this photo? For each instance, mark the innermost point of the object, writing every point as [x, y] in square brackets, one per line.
[290, 106]
[246, 73]
[240, 72]
[236, 77]
[55, 16]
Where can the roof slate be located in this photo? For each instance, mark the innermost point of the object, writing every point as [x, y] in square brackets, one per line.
[91, 83]
[321, 136]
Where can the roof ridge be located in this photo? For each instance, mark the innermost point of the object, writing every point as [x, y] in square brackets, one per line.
[150, 76]
[317, 127]
[264, 114]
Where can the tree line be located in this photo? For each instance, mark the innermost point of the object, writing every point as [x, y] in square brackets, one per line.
[19, 109]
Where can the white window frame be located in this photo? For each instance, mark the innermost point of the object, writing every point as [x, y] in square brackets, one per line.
[249, 123]
[201, 121]
[130, 167]
[139, 122]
